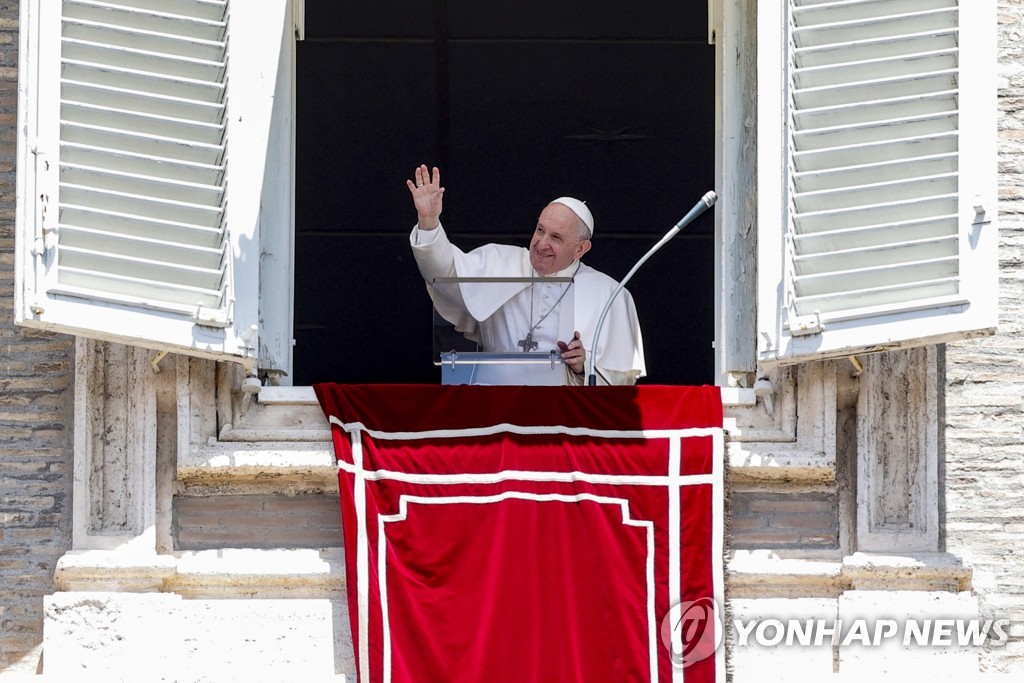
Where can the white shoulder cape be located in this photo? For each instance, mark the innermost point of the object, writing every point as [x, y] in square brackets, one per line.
[621, 345]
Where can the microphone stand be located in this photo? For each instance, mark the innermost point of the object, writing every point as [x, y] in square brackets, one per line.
[706, 202]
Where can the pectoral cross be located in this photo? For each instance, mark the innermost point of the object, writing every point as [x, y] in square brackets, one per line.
[529, 343]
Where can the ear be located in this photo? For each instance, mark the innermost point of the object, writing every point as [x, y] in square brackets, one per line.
[583, 248]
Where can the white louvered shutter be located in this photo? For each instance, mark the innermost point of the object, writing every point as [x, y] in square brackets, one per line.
[877, 175]
[139, 188]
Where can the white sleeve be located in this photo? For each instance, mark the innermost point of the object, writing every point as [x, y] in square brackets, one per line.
[433, 253]
[614, 377]
[422, 238]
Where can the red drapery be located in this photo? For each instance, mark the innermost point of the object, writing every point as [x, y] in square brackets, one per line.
[526, 533]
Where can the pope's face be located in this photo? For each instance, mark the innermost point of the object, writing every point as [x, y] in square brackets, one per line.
[556, 241]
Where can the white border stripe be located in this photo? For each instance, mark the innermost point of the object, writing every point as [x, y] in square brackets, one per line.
[531, 475]
[362, 559]
[403, 513]
[718, 544]
[652, 617]
[674, 534]
[508, 428]
[382, 583]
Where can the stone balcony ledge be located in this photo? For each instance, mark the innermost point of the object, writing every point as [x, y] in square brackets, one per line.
[283, 466]
[224, 573]
[303, 573]
[766, 574]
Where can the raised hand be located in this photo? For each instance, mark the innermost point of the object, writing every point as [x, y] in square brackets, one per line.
[426, 195]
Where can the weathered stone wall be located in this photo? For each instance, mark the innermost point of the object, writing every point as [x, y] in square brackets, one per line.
[984, 408]
[784, 518]
[35, 419]
[310, 520]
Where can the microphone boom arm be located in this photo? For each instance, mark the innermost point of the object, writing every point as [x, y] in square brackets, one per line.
[706, 202]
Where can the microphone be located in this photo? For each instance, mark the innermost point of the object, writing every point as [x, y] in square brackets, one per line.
[705, 203]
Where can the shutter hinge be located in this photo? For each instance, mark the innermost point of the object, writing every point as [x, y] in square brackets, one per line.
[211, 317]
[765, 390]
[45, 240]
[803, 325]
[980, 215]
[155, 361]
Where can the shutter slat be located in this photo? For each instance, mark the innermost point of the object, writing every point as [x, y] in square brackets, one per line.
[874, 214]
[896, 67]
[133, 80]
[147, 102]
[886, 23]
[137, 290]
[865, 174]
[836, 53]
[130, 37]
[870, 279]
[166, 65]
[205, 20]
[132, 245]
[875, 300]
[875, 152]
[139, 226]
[142, 122]
[141, 142]
[870, 90]
[183, 275]
[124, 161]
[833, 11]
[836, 260]
[874, 235]
[174, 189]
[171, 211]
[881, 131]
[896, 191]
[891, 110]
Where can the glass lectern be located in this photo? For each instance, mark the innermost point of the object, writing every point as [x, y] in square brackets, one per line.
[501, 331]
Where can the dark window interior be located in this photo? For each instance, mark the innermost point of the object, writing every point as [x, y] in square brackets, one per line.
[517, 103]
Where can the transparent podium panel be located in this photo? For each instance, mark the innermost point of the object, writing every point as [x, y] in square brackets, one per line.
[501, 330]
[535, 369]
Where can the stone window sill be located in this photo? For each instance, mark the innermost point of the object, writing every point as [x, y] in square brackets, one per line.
[284, 440]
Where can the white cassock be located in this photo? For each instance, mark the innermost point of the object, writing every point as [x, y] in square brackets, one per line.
[499, 316]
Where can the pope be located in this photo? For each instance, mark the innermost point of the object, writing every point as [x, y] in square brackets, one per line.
[522, 317]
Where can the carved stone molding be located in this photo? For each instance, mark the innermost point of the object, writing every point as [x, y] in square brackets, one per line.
[792, 437]
[897, 451]
[115, 447]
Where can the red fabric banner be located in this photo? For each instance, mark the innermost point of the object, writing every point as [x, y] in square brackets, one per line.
[527, 533]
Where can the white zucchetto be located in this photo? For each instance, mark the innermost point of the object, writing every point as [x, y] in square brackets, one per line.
[579, 208]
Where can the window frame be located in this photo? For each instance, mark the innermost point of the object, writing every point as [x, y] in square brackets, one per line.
[749, 217]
